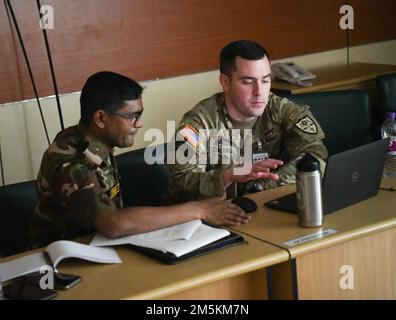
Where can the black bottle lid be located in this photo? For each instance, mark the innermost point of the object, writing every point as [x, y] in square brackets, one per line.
[308, 163]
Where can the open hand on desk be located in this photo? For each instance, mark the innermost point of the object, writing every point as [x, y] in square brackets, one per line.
[258, 170]
[217, 211]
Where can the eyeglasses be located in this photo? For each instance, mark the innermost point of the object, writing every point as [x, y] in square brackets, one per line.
[132, 117]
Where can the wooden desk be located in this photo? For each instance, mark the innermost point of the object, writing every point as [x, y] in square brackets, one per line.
[365, 240]
[340, 77]
[233, 273]
[388, 184]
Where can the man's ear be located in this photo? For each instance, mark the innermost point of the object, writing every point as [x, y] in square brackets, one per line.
[99, 118]
[224, 82]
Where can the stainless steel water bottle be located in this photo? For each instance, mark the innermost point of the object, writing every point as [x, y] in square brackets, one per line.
[309, 192]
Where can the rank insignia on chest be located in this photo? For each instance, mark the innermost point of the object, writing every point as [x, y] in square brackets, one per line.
[307, 125]
[114, 191]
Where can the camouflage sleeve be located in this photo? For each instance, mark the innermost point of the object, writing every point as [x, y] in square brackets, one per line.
[190, 180]
[79, 191]
[302, 134]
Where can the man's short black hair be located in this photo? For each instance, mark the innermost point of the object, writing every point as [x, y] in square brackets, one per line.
[106, 91]
[245, 49]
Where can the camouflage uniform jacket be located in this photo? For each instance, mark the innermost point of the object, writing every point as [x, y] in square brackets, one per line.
[285, 131]
[77, 177]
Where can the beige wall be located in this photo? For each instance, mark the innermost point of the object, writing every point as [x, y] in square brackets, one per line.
[22, 135]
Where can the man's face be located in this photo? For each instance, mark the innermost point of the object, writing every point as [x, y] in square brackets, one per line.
[120, 131]
[247, 91]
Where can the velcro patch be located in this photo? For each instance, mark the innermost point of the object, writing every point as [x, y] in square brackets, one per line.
[114, 191]
[307, 125]
[189, 134]
[259, 157]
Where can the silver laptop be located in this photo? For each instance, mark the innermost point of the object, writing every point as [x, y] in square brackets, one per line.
[351, 176]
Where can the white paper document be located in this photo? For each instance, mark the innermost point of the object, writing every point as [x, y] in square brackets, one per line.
[182, 231]
[21, 266]
[201, 237]
[170, 239]
[57, 251]
[60, 250]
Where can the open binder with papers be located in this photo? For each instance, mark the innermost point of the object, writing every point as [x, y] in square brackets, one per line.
[177, 243]
[53, 255]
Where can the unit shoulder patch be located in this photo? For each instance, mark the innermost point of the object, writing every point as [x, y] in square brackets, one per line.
[307, 125]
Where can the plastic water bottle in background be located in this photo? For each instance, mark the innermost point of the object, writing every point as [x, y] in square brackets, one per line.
[388, 129]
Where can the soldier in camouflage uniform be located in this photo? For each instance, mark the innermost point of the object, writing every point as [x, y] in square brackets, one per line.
[279, 128]
[76, 179]
[78, 188]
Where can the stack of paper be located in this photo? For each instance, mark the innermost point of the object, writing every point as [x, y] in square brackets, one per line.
[179, 239]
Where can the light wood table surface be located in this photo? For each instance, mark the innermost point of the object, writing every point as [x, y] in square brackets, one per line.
[237, 272]
[365, 239]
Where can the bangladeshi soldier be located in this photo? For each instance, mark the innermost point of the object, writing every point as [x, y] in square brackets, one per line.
[78, 187]
[245, 124]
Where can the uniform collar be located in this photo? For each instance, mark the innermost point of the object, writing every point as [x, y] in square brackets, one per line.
[243, 124]
[264, 118]
[95, 151]
[231, 123]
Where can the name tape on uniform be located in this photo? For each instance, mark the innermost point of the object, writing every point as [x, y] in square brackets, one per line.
[310, 237]
[259, 157]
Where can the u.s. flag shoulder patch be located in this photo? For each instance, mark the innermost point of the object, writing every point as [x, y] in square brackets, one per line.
[188, 133]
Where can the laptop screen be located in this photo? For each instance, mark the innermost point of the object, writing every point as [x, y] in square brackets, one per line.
[351, 176]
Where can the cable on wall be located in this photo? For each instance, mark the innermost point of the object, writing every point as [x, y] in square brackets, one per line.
[28, 66]
[1, 167]
[51, 68]
[347, 40]
[347, 45]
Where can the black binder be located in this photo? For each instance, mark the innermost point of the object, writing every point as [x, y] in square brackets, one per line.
[169, 258]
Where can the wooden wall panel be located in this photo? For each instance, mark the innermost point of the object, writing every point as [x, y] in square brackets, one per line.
[373, 21]
[155, 39]
[14, 81]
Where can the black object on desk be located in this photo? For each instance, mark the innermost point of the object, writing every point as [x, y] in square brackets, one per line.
[245, 204]
[24, 288]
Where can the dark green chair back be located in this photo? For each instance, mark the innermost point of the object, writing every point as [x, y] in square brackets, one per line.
[345, 117]
[386, 85]
[142, 184]
[17, 202]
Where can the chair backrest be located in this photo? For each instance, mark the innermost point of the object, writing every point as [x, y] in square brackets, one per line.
[143, 184]
[345, 117]
[17, 202]
[386, 85]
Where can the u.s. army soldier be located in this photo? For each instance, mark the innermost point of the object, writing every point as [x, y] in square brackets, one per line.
[281, 132]
[78, 186]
